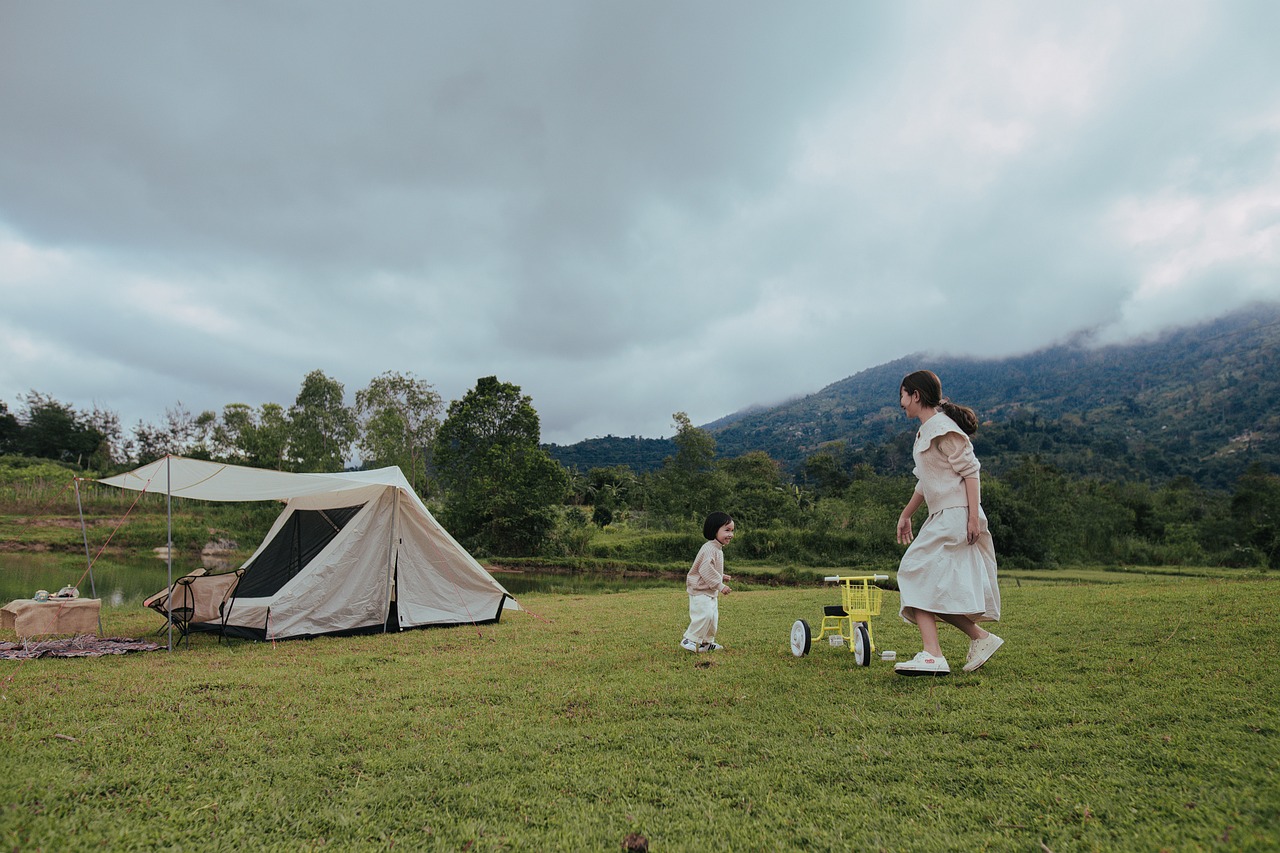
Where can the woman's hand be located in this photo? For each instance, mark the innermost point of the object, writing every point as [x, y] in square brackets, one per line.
[974, 529]
[904, 520]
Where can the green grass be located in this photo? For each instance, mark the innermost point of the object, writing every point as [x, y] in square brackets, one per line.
[1122, 716]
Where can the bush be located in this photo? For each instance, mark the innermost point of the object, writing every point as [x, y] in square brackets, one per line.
[27, 469]
[571, 536]
[649, 548]
[773, 545]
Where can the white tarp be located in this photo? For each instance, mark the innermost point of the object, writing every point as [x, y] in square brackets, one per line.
[217, 481]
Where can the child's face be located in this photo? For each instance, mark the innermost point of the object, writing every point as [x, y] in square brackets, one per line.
[725, 534]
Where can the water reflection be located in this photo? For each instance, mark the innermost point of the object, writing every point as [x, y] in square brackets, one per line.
[119, 580]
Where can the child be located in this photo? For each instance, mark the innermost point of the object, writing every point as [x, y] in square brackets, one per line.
[949, 570]
[705, 582]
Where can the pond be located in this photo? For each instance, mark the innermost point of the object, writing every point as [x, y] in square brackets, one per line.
[125, 580]
[119, 580]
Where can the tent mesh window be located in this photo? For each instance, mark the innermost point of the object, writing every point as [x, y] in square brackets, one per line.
[304, 534]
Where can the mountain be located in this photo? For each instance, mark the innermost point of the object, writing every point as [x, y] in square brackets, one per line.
[638, 454]
[1196, 402]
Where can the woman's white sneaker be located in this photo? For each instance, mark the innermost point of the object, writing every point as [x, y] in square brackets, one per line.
[980, 651]
[924, 663]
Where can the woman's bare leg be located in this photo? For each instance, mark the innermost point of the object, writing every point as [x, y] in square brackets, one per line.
[928, 625]
[964, 623]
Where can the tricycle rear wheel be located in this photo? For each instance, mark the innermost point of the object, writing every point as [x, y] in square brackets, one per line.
[801, 638]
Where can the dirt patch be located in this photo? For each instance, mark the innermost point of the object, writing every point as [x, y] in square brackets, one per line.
[68, 523]
[13, 547]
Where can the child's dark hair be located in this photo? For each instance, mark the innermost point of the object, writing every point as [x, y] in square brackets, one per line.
[927, 384]
[714, 522]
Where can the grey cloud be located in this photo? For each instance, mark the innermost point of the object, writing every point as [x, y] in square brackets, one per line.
[628, 209]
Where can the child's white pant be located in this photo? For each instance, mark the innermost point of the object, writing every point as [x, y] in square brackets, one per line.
[704, 618]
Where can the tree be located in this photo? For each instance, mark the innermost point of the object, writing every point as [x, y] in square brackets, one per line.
[398, 416]
[690, 485]
[827, 470]
[323, 428]
[610, 491]
[1255, 506]
[759, 495]
[271, 445]
[501, 488]
[233, 437]
[183, 434]
[111, 449]
[148, 443]
[259, 439]
[53, 430]
[9, 430]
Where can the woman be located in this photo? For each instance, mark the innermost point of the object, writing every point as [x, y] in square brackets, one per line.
[949, 570]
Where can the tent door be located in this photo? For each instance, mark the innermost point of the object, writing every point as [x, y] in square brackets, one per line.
[393, 616]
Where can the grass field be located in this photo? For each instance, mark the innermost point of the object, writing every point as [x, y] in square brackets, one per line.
[1135, 714]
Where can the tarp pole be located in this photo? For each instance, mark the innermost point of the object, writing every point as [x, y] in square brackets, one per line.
[84, 534]
[168, 511]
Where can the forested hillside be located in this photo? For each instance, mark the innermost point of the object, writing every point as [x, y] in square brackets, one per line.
[1197, 402]
[639, 454]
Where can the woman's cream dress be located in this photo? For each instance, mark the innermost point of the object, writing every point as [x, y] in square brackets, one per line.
[941, 572]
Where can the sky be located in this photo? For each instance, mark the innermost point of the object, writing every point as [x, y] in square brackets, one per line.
[628, 209]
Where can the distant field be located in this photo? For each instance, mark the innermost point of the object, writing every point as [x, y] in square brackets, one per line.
[1134, 714]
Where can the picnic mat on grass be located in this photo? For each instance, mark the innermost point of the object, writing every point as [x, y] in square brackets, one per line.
[82, 646]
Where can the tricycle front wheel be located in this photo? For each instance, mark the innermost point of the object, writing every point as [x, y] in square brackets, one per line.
[800, 638]
[861, 645]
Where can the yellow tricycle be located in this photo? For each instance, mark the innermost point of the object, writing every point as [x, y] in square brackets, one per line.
[846, 623]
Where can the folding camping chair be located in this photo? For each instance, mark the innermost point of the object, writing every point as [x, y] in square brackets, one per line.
[177, 602]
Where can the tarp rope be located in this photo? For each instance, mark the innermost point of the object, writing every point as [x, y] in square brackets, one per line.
[125, 518]
[73, 481]
[45, 509]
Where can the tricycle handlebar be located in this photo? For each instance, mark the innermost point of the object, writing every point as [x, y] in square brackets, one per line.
[838, 578]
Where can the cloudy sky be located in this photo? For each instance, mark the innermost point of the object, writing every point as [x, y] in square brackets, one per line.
[627, 208]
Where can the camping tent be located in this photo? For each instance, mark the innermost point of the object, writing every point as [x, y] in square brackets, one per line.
[351, 551]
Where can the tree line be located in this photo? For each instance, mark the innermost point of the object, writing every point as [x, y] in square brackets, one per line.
[393, 422]
[480, 457]
[480, 463]
[843, 505]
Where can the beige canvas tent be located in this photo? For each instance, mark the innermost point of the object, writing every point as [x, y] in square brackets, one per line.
[350, 552]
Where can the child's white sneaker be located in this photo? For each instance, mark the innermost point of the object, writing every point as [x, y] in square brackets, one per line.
[711, 646]
[924, 663]
[690, 646]
[980, 651]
